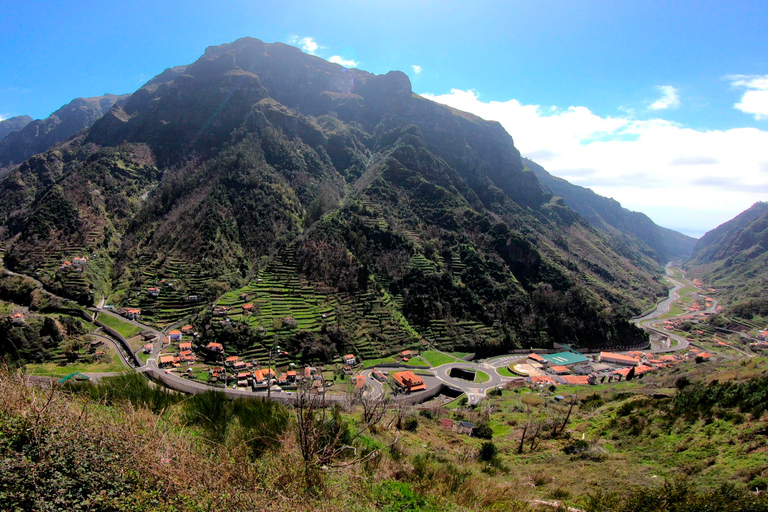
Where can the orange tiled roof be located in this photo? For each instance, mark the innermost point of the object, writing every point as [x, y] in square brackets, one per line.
[536, 357]
[410, 380]
[576, 380]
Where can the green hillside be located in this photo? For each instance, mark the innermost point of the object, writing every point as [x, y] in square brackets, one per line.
[402, 221]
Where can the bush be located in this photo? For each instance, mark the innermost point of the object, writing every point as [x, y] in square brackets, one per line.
[426, 413]
[682, 382]
[463, 401]
[487, 451]
[483, 431]
[411, 424]
[576, 447]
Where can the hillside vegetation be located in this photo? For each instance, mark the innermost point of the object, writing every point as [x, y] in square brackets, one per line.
[733, 259]
[690, 438]
[334, 197]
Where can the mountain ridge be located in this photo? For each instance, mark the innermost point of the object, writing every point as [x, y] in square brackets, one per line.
[635, 228]
[410, 221]
[12, 124]
[40, 135]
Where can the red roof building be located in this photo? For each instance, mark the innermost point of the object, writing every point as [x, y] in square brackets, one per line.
[409, 381]
[611, 357]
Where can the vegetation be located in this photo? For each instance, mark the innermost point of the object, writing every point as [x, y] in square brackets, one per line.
[348, 232]
[156, 448]
[126, 329]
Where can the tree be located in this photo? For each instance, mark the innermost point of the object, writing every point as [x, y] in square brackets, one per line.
[483, 431]
[631, 374]
[487, 451]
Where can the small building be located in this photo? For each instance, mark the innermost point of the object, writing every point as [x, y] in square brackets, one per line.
[231, 360]
[239, 365]
[132, 313]
[536, 357]
[17, 319]
[465, 427]
[219, 311]
[66, 264]
[559, 370]
[217, 348]
[192, 298]
[80, 262]
[564, 358]
[291, 375]
[611, 357]
[166, 360]
[187, 329]
[185, 346]
[153, 292]
[147, 335]
[575, 380]
[248, 308]
[96, 343]
[406, 355]
[175, 335]
[446, 423]
[543, 380]
[409, 382]
[349, 360]
[379, 376]
[148, 348]
[359, 382]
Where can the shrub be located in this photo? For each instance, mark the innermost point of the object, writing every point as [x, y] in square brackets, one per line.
[483, 431]
[682, 382]
[463, 401]
[426, 413]
[411, 424]
[576, 447]
[488, 451]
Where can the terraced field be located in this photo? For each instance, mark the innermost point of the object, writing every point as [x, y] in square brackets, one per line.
[280, 298]
[177, 280]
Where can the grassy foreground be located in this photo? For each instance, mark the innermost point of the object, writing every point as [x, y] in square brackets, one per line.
[125, 445]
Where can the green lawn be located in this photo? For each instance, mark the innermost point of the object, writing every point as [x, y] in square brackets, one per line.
[124, 328]
[481, 377]
[435, 358]
[504, 372]
[418, 361]
[369, 363]
[56, 370]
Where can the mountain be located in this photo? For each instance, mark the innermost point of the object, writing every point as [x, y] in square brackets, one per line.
[352, 213]
[12, 124]
[733, 258]
[38, 136]
[623, 226]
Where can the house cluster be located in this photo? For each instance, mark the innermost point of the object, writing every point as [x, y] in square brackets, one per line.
[77, 264]
[574, 369]
[561, 368]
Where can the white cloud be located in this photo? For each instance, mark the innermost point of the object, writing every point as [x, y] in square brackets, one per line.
[755, 99]
[307, 44]
[343, 62]
[670, 98]
[416, 69]
[686, 179]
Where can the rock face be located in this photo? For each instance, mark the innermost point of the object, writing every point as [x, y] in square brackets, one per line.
[12, 124]
[410, 220]
[623, 226]
[38, 136]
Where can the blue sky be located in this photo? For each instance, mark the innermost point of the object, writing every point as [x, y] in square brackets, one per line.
[662, 105]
